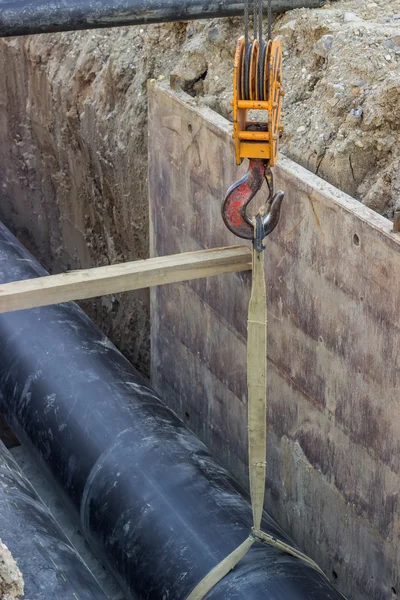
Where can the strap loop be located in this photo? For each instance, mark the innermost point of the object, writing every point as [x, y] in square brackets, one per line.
[257, 426]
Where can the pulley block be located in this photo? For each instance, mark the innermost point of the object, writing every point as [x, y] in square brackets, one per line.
[257, 86]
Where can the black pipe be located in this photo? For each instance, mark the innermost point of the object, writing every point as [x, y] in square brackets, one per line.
[22, 17]
[153, 504]
[51, 567]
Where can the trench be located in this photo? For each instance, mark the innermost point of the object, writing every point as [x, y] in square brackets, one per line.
[67, 196]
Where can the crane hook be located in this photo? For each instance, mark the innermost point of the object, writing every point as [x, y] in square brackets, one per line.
[240, 194]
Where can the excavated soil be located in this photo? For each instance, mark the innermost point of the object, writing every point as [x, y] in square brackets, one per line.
[11, 580]
[73, 129]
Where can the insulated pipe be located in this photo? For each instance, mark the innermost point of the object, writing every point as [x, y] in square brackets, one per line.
[51, 567]
[157, 509]
[21, 17]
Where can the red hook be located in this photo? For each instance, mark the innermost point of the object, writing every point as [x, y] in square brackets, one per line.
[240, 195]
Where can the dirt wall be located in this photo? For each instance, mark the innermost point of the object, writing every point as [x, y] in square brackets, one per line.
[73, 184]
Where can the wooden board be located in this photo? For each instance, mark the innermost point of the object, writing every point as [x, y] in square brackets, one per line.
[333, 475]
[112, 279]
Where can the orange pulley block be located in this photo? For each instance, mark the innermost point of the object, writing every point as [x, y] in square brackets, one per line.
[257, 85]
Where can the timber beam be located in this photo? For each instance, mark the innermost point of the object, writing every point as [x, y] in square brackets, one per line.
[113, 279]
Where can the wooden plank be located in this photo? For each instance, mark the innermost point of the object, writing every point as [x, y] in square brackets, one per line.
[333, 476]
[112, 279]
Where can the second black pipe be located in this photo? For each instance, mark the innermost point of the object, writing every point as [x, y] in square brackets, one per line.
[50, 566]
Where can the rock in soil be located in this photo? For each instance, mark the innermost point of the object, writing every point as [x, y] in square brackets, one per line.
[11, 580]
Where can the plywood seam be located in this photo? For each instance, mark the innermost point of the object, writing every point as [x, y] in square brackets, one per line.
[343, 428]
[209, 308]
[293, 382]
[189, 351]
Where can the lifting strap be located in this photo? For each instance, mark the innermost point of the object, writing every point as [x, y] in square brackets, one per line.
[257, 427]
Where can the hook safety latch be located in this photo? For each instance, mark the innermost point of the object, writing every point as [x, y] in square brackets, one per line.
[240, 194]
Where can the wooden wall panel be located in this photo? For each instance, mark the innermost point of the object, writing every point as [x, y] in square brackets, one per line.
[333, 476]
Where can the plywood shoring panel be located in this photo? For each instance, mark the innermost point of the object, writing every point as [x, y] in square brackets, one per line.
[333, 476]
